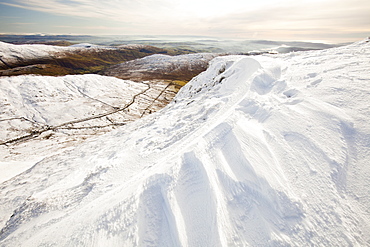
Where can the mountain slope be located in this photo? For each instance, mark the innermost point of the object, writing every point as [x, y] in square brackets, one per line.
[75, 59]
[41, 114]
[163, 67]
[269, 151]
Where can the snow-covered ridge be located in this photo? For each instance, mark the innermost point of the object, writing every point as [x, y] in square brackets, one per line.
[262, 151]
[74, 59]
[11, 53]
[159, 66]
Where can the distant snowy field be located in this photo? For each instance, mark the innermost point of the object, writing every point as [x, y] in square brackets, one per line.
[256, 151]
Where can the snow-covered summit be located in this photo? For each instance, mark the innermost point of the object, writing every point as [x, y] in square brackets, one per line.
[256, 151]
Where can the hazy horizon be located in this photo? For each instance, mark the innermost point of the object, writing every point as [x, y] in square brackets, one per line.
[188, 43]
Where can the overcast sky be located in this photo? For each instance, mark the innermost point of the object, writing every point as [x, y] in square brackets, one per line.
[309, 20]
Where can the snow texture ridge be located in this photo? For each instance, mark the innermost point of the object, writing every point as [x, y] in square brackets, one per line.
[255, 151]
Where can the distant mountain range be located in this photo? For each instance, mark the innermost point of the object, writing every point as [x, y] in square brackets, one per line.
[189, 44]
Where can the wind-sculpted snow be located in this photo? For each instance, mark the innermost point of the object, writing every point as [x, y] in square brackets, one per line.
[256, 151]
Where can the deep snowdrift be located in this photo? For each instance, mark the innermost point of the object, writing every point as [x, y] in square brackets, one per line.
[253, 152]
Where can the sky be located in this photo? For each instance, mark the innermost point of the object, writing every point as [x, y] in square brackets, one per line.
[332, 21]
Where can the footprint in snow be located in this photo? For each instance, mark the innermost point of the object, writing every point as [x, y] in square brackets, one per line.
[315, 83]
[292, 96]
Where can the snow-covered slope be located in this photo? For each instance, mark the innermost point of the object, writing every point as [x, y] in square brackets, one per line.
[42, 114]
[75, 59]
[159, 66]
[262, 151]
[55, 100]
[10, 53]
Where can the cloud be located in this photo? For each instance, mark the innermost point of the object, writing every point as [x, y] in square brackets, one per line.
[243, 18]
[110, 9]
[325, 19]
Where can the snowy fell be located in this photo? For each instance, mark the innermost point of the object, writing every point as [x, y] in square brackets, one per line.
[10, 53]
[159, 66]
[255, 151]
[75, 59]
[41, 115]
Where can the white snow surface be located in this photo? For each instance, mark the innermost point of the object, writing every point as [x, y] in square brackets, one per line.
[85, 45]
[167, 59]
[12, 53]
[162, 64]
[255, 151]
[33, 102]
[54, 100]
[62, 111]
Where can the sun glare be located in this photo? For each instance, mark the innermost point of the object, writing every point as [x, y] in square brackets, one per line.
[215, 8]
[211, 8]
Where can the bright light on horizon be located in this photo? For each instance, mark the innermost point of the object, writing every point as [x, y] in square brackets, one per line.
[329, 20]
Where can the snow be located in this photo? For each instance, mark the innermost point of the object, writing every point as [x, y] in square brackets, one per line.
[55, 100]
[255, 151]
[33, 102]
[159, 66]
[167, 59]
[61, 111]
[12, 53]
[12, 169]
[85, 45]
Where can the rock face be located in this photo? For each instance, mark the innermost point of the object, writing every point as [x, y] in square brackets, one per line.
[256, 151]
